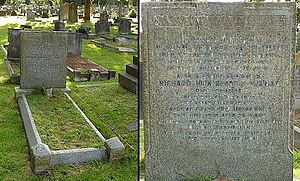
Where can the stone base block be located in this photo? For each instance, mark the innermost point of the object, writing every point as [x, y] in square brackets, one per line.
[41, 157]
[115, 149]
[20, 91]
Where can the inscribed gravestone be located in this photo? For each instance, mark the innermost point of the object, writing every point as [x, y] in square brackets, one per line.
[13, 51]
[64, 12]
[217, 90]
[124, 27]
[74, 43]
[59, 25]
[43, 60]
[102, 26]
[73, 16]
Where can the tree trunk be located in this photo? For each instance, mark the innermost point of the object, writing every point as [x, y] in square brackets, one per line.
[87, 10]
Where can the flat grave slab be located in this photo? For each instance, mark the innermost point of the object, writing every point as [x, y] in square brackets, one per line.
[82, 69]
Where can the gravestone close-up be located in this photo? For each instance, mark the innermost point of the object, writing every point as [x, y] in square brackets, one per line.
[43, 59]
[217, 90]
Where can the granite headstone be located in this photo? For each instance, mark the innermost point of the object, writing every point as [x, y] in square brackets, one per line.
[125, 27]
[13, 51]
[43, 59]
[217, 90]
[73, 16]
[74, 43]
[102, 26]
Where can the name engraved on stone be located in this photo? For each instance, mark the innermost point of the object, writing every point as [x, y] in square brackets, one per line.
[217, 90]
[43, 59]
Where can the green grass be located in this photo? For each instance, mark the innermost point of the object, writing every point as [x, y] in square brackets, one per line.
[105, 57]
[59, 124]
[14, 153]
[113, 114]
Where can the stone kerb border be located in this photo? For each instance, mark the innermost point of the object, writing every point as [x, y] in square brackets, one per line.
[14, 77]
[114, 48]
[42, 157]
[91, 75]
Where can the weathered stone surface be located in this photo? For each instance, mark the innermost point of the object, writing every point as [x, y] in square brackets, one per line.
[43, 60]
[102, 26]
[104, 15]
[59, 26]
[75, 43]
[30, 15]
[217, 90]
[13, 51]
[64, 12]
[115, 149]
[77, 155]
[41, 157]
[73, 16]
[121, 40]
[125, 27]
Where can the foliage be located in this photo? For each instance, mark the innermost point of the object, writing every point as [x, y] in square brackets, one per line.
[298, 15]
[2, 2]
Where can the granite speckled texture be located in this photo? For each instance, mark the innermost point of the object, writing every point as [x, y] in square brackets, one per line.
[43, 59]
[217, 90]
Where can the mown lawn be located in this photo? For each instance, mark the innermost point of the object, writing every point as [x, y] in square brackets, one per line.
[110, 108]
[60, 125]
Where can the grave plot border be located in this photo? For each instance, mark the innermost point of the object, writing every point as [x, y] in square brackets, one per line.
[91, 75]
[42, 157]
[114, 48]
[14, 77]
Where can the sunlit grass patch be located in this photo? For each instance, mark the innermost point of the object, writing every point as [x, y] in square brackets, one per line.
[60, 125]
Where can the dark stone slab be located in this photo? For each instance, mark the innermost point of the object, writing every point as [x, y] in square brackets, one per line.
[132, 69]
[75, 43]
[102, 26]
[13, 49]
[59, 26]
[217, 90]
[124, 27]
[128, 81]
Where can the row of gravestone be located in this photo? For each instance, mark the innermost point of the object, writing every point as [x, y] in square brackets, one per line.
[69, 12]
[103, 26]
[74, 43]
[42, 11]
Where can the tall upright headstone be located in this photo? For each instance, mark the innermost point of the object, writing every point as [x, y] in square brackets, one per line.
[13, 50]
[64, 12]
[217, 90]
[73, 16]
[74, 43]
[43, 59]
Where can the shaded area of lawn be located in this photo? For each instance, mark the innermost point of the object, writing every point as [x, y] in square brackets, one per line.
[14, 153]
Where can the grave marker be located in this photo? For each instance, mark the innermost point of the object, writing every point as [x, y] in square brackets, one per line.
[43, 60]
[217, 90]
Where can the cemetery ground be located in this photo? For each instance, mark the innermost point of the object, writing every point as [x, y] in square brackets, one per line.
[110, 107]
